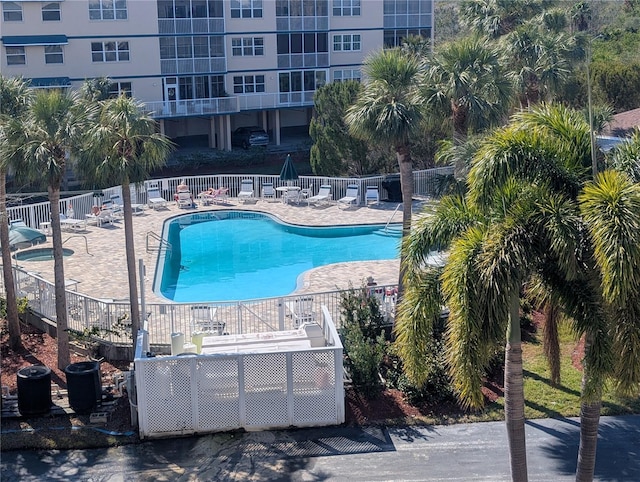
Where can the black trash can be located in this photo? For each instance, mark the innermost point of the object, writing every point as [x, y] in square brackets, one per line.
[84, 385]
[391, 184]
[34, 390]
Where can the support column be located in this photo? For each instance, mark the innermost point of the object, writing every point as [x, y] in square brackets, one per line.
[212, 132]
[161, 125]
[227, 132]
[276, 127]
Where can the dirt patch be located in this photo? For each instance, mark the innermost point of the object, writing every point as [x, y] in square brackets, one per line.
[58, 429]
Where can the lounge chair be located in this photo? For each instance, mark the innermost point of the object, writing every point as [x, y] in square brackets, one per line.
[203, 319]
[324, 195]
[207, 197]
[154, 199]
[300, 310]
[268, 191]
[118, 206]
[184, 199]
[104, 216]
[350, 198]
[246, 190]
[72, 224]
[372, 195]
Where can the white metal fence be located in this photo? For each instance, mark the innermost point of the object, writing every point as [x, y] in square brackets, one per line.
[109, 319]
[178, 395]
[425, 184]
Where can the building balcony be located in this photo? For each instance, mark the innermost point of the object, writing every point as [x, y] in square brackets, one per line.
[228, 105]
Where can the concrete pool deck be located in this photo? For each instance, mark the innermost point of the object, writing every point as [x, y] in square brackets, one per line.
[98, 263]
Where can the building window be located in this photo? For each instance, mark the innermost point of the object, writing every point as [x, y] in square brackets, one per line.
[190, 9]
[247, 46]
[246, 8]
[346, 43]
[347, 74]
[395, 38]
[16, 56]
[346, 8]
[51, 12]
[191, 47]
[117, 88]
[53, 54]
[297, 43]
[11, 12]
[107, 9]
[109, 51]
[302, 81]
[248, 84]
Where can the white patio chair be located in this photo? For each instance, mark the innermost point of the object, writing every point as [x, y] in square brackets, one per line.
[323, 196]
[203, 319]
[246, 190]
[268, 192]
[350, 198]
[300, 309]
[154, 199]
[372, 195]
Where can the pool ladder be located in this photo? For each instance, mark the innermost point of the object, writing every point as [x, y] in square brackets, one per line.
[162, 244]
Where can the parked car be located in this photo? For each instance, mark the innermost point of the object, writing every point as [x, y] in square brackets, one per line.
[246, 137]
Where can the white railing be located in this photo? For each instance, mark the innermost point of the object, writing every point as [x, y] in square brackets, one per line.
[177, 395]
[109, 319]
[33, 215]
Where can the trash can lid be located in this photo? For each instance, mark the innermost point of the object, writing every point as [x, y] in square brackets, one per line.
[82, 367]
[34, 371]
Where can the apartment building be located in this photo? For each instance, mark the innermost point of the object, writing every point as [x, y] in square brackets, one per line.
[206, 67]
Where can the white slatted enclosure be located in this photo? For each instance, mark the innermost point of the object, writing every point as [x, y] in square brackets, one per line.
[256, 382]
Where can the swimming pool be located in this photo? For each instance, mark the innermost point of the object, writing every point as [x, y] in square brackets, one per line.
[238, 255]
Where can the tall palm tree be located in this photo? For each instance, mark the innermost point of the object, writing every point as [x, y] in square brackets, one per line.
[387, 112]
[123, 147]
[14, 94]
[467, 82]
[49, 131]
[601, 304]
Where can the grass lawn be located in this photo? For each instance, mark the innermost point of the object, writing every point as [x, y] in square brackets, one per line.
[542, 399]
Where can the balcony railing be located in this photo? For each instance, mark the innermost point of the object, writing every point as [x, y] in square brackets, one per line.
[228, 105]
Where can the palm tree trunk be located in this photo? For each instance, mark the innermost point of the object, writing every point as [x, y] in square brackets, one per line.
[514, 395]
[131, 261]
[406, 183]
[589, 422]
[13, 321]
[551, 344]
[62, 333]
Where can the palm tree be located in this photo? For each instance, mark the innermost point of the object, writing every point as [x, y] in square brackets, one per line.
[600, 299]
[497, 17]
[387, 112]
[49, 131]
[14, 94]
[123, 147]
[535, 230]
[540, 61]
[468, 84]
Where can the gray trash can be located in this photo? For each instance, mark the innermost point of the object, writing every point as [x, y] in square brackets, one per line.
[84, 385]
[34, 390]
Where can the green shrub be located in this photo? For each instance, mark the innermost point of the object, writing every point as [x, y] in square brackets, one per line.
[363, 339]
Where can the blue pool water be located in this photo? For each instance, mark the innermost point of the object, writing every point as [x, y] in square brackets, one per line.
[238, 256]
